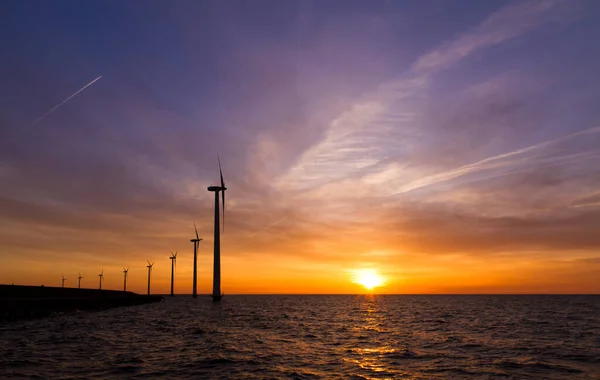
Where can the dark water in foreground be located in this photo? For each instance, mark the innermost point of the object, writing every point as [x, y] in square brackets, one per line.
[306, 337]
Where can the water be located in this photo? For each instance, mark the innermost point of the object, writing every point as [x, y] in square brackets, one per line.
[306, 337]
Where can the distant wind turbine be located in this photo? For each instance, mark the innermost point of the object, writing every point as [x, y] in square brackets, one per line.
[125, 279]
[196, 242]
[173, 264]
[216, 293]
[79, 281]
[149, 266]
[63, 281]
[101, 276]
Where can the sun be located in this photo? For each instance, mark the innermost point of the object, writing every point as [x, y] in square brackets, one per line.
[369, 278]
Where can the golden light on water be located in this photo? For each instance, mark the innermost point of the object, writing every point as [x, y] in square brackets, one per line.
[369, 278]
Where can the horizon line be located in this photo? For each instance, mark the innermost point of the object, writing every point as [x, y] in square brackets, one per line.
[325, 294]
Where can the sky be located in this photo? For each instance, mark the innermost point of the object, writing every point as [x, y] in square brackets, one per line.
[449, 146]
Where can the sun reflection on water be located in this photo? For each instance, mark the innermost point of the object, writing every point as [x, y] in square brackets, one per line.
[369, 354]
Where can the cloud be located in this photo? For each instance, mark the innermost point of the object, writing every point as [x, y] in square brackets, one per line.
[388, 122]
[505, 24]
[589, 200]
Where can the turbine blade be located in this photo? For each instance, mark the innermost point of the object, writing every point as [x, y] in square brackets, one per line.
[222, 191]
[195, 229]
[220, 172]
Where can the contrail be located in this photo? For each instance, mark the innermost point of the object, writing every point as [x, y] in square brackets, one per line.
[64, 101]
[269, 226]
[488, 163]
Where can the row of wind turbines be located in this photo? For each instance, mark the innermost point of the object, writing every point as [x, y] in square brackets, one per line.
[216, 291]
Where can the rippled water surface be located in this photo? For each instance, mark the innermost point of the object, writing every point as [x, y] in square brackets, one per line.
[306, 337]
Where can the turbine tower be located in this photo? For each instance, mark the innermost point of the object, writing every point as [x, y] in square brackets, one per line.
[196, 242]
[149, 266]
[173, 264]
[101, 276]
[79, 281]
[216, 293]
[125, 279]
[63, 281]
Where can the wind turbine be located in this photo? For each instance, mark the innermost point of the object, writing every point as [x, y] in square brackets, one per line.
[101, 276]
[149, 266]
[63, 281]
[173, 264]
[216, 293]
[196, 242]
[125, 279]
[79, 281]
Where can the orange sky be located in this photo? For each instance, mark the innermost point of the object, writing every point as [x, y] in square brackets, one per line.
[450, 150]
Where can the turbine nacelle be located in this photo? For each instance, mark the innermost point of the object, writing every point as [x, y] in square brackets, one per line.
[197, 239]
[216, 188]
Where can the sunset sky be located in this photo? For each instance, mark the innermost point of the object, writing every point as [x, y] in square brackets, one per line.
[449, 146]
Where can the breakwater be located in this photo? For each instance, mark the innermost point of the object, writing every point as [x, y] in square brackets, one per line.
[26, 302]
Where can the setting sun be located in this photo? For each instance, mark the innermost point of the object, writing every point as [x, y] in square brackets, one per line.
[369, 278]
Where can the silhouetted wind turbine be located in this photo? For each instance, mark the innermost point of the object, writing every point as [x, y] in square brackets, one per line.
[196, 242]
[63, 281]
[125, 279]
[149, 266]
[79, 281]
[173, 263]
[101, 275]
[216, 294]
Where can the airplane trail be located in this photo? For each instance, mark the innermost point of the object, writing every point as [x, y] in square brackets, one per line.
[488, 164]
[64, 101]
[269, 226]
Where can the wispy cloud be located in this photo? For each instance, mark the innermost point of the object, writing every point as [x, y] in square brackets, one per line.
[387, 123]
[507, 23]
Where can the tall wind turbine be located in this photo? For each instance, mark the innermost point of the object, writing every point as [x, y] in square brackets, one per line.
[173, 264]
[125, 279]
[63, 281]
[149, 266]
[216, 293]
[196, 242]
[101, 275]
[79, 281]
